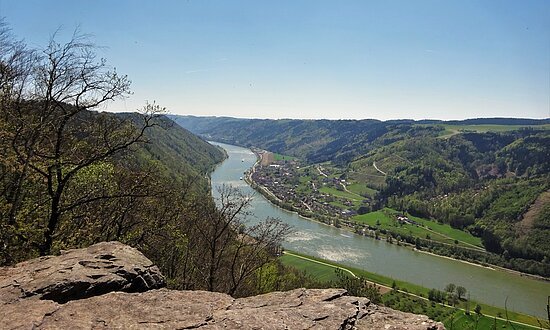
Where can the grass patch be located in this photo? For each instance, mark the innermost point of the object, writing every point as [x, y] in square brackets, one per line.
[452, 318]
[449, 231]
[372, 218]
[279, 157]
[338, 193]
[462, 321]
[318, 271]
[386, 219]
[494, 311]
[361, 189]
[369, 177]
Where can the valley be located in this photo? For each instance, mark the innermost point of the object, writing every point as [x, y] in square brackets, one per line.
[344, 247]
[297, 165]
[468, 189]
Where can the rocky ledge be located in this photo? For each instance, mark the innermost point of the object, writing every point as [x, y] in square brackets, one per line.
[111, 285]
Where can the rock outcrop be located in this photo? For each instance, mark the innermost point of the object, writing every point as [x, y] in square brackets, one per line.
[80, 273]
[110, 285]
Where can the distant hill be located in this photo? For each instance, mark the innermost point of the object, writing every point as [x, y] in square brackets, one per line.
[314, 140]
[338, 141]
[489, 121]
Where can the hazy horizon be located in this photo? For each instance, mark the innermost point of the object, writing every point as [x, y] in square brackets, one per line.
[391, 119]
[427, 59]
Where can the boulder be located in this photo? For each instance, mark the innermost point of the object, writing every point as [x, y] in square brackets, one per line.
[80, 273]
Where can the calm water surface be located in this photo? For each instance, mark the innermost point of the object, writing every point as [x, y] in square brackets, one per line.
[312, 238]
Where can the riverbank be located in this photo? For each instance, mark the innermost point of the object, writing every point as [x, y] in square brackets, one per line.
[389, 285]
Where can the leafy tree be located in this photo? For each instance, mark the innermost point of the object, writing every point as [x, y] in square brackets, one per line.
[71, 176]
[52, 136]
[452, 299]
[450, 288]
[460, 291]
[226, 252]
[357, 286]
[436, 295]
[477, 309]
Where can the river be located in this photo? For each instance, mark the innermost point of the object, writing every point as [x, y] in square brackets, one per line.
[485, 285]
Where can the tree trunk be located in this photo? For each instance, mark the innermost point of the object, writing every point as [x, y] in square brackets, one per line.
[45, 249]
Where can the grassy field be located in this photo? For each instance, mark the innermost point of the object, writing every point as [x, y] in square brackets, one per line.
[449, 231]
[402, 301]
[339, 193]
[473, 321]
[318, 271]
[372, 218]
[279, 157]
[361, 189]
[452, 318]
[368, 176]
[386, 219]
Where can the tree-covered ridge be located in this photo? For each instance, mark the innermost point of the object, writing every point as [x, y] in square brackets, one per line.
[174, 151]
[339, 141]
[73, 177]
[480, 182]
[314, 140]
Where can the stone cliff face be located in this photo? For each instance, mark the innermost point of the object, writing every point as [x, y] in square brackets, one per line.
[111, 285]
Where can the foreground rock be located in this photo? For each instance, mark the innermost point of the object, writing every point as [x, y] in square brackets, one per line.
[170, 309]
[80, 273]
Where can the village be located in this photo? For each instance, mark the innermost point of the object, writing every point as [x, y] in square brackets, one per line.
[314, 191]
[301, 186]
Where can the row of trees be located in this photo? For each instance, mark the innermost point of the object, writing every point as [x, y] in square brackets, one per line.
[357, 286]
[69, 176]
[452, 294]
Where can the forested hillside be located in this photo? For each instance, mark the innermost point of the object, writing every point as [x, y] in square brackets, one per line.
[72, 176]
[314, 140]
[484, 176]
[173, 151]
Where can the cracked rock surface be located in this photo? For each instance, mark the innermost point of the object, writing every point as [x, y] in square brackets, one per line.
[171, 309]
[80, 273]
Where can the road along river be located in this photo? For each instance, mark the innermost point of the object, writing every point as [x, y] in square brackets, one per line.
[525, 295]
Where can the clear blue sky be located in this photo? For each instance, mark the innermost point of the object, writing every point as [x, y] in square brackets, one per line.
[382, 59]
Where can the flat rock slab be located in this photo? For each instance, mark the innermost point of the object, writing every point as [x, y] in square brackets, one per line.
[170, 309]
[80, 273]
[113, 286]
